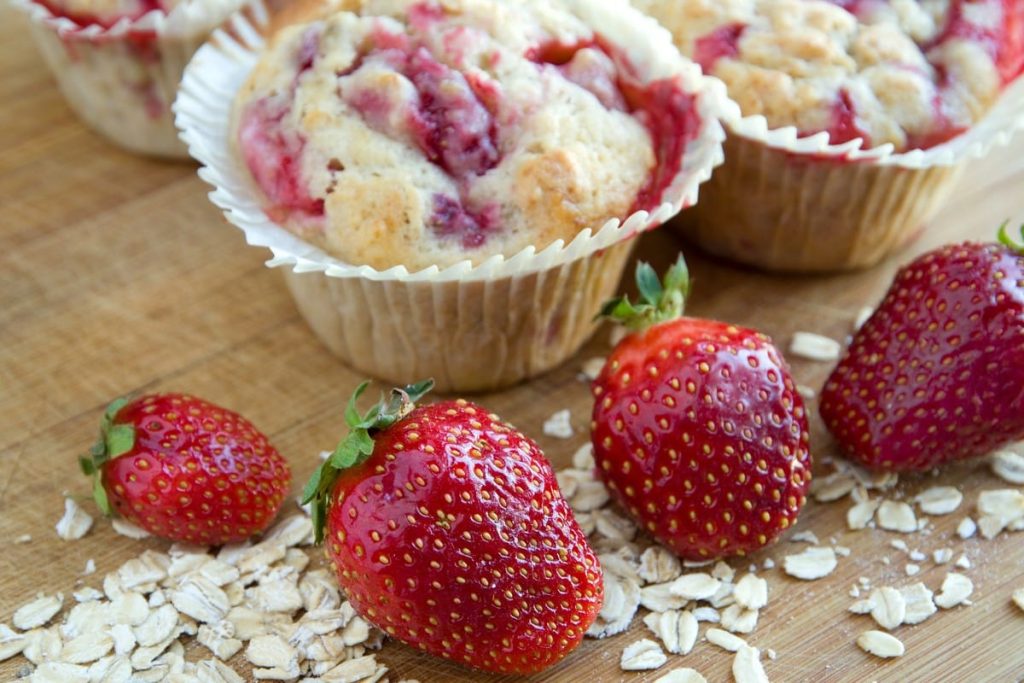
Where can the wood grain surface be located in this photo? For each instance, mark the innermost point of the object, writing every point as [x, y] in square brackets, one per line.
[117, 275]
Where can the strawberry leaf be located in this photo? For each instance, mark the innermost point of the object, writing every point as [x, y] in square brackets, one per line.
[659, 301]
[115, 440]
[120, 439]
[357, 445]
[1009, 242]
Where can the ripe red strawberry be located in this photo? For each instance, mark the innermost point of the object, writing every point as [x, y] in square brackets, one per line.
[937, 373]
[698, 430]
[185, 469]
[448, 531]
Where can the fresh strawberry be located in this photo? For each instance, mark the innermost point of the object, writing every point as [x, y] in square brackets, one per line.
[697, 427]
[937, 373]
[185, 469]
[448, 531]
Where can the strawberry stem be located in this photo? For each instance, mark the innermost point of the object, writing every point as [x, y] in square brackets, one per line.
[659, 300]
[1009, 242]
[115, 440]
[357, 445]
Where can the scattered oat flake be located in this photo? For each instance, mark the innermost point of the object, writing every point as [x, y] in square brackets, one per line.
[75, 523]
[896, 516]
[888, 607]
[127, 529]
[11, 643]
[939, 500]
[942, 555]
[621, 600]
[23, 539]
[723, 572]
[1008, 465]
[956, 588]
[862, 606]
[684, 675]
[880, 644]
[833, 487]
[739, 620]
[917, 556]
[643, 655]
[991, 526]
[858, 516]
[589, 496]
[583, 458]
[966, 528]
[592, 367]
[919, 603]
[863, 315]
[815, 347]
[751, 592]
[559, 425]
[37, 612]
[90, 567]
[854, 591]
[912, 569]
[1018, 598]
[708, 614]
[804, 537]
[814, 563]
[698, 586]
[769, 563]
[724, 639]
[746, 666]
[676, 629]
[659, 565]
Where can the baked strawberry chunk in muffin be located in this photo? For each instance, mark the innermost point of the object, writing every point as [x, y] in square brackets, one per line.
[417, 134]
[910, 73]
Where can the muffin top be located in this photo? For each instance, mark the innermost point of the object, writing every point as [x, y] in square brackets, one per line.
[105, 12]
[913, 73]
[420, 133]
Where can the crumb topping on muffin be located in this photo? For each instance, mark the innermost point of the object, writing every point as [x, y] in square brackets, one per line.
[421, 133]
[913, 73]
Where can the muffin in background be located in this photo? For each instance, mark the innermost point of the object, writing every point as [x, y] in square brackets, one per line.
[433, 173]
[118, 62]
[905, 91]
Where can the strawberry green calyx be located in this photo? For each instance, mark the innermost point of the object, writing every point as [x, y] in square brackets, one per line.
[115, 440]
[357, 445]
[659, 301]
[1009, 242]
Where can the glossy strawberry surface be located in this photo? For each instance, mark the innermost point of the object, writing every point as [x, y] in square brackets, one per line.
[195, 472]
[700, 434]
[937, 373]
[453, 537]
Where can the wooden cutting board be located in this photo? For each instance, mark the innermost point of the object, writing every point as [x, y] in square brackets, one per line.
[117, 275]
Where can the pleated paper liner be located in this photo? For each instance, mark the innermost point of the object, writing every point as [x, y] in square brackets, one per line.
[471, 327]
[785, 203]
[120, 84]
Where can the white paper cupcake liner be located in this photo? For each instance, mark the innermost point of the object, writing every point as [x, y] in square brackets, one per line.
[995, 128]
[190, 18]
[786, 203]
[221, 66]
[471, 328]
[110, 85]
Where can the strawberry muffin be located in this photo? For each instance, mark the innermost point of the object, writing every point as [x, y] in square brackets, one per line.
[424, 134]
[886, 76]
[118, 62]
[455, 185]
